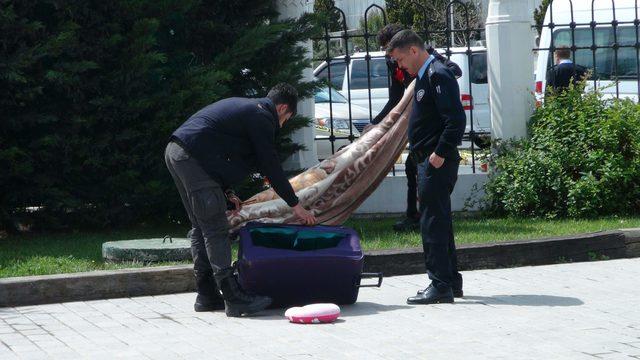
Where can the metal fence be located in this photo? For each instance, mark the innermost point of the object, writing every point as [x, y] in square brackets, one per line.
[602, 36]
[358, 79]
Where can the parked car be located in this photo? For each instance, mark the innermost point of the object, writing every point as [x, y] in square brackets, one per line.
[606, 68]
[339, 108]
[474, 87]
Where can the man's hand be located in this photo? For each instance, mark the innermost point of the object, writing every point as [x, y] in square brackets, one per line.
[305, 215]
[436, 161]
[233, 198]
[366, 128]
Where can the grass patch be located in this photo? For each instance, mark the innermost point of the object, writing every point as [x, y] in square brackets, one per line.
[377, 233]
[40, 254]
[46, 253]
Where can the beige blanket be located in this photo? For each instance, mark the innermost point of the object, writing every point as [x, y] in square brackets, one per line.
[337, 186]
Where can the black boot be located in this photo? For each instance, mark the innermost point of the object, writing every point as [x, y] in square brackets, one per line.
[208, 298]
[236, 301]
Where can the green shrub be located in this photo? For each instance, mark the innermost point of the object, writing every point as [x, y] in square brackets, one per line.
[582, 159]
[91, 90]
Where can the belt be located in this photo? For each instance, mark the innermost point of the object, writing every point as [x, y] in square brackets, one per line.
[419, 155]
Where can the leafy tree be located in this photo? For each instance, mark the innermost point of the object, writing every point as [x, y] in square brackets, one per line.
[539, 14]
[329, 15]
[330, 23]
[430, 19]
[375, 22]
[91, 90]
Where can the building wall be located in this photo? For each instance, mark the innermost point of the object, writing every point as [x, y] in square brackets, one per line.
[354, 10]
[391, 195]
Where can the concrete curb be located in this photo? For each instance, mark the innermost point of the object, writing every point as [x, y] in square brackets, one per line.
[31, 290]
[584, 247]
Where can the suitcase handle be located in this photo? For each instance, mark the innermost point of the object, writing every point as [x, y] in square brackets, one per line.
[378, 275]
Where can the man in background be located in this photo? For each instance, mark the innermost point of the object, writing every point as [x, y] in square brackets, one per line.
[565, 71]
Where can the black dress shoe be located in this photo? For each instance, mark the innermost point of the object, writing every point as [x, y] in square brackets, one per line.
[407, 224]
[456, 292]
[432, 295]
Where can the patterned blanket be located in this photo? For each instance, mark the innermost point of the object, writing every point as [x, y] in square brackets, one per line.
[336, 187]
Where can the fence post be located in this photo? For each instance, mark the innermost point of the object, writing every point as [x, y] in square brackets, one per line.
[293, 9]
[510, 41]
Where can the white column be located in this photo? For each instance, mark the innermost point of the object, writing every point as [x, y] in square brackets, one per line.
[304, 159]
[510, 41]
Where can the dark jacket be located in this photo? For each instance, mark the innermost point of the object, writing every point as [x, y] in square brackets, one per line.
[400, 79]
[437, 120]
[560, 75]
[232, 138]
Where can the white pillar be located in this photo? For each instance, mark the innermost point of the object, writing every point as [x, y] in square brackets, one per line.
[293, 9]
[510, 40]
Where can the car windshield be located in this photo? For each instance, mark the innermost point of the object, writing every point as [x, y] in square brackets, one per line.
[478, 72]
[341, 124]
[322, 96]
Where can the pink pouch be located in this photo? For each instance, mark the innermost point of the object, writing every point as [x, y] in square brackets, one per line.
[313, 314]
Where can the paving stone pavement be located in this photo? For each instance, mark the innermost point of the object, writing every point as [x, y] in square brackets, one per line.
[567, 311]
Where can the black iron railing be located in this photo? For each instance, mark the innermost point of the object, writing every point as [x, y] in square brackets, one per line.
[334, 54]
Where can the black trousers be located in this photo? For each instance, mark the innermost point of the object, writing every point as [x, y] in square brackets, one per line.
[435, 187]
[411, 171]
[205, 203]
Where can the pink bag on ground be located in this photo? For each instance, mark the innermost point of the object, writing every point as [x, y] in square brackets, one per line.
[313, 314]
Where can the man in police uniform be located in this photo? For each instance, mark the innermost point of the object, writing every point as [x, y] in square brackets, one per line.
[436, 127]
[214, 149]
[400, 79]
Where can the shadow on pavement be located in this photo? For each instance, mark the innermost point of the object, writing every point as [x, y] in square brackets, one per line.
[368, 308]
[522, 300]
[357, 309]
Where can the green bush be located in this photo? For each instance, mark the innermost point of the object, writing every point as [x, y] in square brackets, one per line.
[582, 159]
[91, 90]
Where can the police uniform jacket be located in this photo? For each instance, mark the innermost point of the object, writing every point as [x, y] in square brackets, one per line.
[437, 120]
[400, 79]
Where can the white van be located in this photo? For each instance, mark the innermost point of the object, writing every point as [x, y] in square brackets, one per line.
[473, 83]
[605, 65]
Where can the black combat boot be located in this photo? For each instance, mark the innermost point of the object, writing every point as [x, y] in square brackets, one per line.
[236, 301]
[208, 298]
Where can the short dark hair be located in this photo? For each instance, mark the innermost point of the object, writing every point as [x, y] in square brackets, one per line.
[386, 33]
[286, 94]
[563, 52]
[405, 39]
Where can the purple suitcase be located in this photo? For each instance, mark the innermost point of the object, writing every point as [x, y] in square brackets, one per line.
[300, 265]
